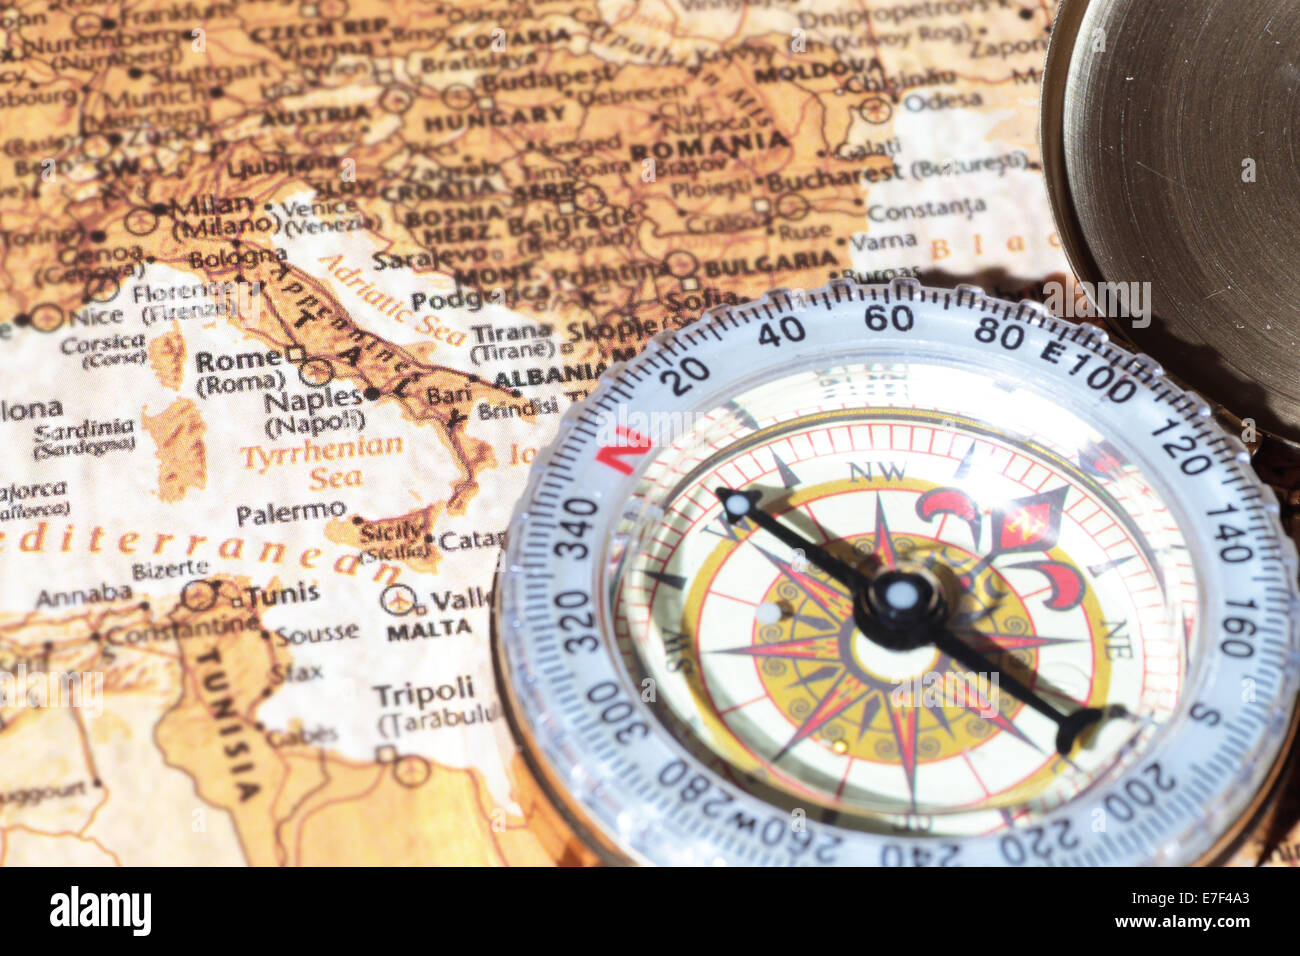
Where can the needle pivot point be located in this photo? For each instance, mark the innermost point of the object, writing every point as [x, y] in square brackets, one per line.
[897, 605]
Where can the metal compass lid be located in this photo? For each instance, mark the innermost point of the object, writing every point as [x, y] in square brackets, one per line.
[1170, 136]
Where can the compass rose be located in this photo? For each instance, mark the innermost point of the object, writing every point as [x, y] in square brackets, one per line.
[838, 688]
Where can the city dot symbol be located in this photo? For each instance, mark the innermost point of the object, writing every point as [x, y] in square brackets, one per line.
[316, 375]
[877, 109]
[372, 393]
[769, 612]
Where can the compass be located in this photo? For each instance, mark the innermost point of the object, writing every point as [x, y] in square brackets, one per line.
[892, 575]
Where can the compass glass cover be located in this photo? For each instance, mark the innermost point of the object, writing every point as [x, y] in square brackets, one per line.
[1058, 557]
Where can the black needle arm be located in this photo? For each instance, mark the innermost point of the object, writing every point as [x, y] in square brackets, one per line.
[904, 627]
[741, 505]
[1069, 726]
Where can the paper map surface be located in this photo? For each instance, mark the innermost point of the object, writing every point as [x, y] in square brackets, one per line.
[293, 292]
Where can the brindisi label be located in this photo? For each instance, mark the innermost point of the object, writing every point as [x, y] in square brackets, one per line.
[900, 576]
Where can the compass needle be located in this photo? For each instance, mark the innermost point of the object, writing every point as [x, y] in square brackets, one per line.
[917, 555]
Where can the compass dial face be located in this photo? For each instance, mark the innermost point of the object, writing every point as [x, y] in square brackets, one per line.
[889, 575]
[1054, 574]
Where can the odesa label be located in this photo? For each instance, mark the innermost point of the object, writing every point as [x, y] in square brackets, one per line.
[891, 575]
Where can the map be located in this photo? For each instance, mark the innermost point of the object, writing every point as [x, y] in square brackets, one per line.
[294, 291]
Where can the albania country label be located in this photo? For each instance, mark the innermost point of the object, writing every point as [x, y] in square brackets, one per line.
[898, 575]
